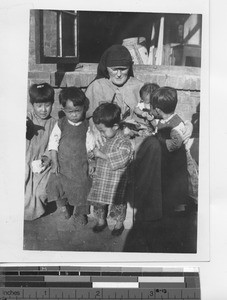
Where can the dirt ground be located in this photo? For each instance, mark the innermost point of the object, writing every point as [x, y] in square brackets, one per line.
[171, 234]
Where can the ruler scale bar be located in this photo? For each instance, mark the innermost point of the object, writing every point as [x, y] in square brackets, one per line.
[72, 282]
[106, 293]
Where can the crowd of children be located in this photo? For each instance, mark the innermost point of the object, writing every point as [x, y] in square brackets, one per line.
[64, 164]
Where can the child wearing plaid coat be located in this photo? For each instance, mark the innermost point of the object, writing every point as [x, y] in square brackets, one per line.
[111, 173]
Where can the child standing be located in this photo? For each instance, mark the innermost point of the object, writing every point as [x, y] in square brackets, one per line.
[174, 162]
[69, 182]
[37, 170]
[111, 174]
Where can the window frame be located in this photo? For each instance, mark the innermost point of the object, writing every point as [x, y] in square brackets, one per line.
[41, 58]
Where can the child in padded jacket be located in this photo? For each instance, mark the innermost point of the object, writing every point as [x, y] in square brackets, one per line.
[111, 174]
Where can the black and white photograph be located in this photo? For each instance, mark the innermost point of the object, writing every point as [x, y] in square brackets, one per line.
[110, 162]
[112, 131]
[113, 144]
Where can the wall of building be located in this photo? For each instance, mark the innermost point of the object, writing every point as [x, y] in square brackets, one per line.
[37, 72]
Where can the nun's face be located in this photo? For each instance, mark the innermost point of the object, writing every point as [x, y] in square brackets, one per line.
[118, 75]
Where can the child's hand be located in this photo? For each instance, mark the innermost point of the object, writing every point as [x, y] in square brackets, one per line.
[129, 132]
[45, 162]
[91, 169]
[55, 168]
[145, 114]
[90, 154]
[97, 152]
[150, 117]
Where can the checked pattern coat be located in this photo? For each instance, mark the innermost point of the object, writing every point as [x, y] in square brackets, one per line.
[111, 175]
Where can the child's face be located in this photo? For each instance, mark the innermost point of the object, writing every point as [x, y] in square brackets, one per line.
[42, 110]
[145, 98]
[107, 132]
[73, 113]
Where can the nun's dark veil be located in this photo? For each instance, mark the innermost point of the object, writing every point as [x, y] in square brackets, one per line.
[116, 55]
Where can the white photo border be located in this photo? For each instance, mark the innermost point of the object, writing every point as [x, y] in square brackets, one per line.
[14, 34]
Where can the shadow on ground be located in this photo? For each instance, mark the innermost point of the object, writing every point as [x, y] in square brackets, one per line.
[171, 234]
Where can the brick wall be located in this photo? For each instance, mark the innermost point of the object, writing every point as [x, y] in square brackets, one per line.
[37, 73]
[50, 35]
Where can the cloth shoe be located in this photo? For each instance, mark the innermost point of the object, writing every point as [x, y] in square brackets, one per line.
[118, 231]
[99, 228]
